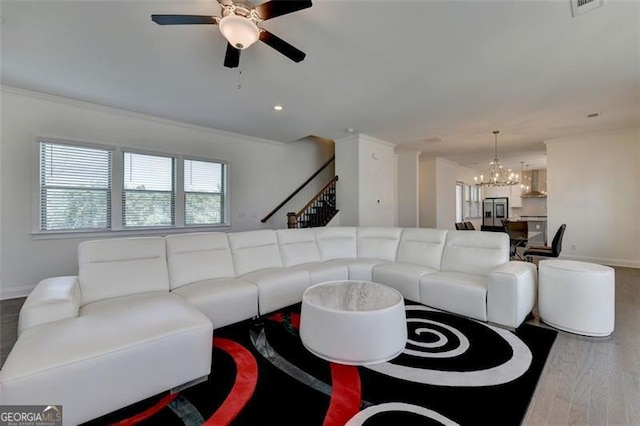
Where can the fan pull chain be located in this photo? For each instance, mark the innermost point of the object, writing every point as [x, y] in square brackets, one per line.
[239, 79]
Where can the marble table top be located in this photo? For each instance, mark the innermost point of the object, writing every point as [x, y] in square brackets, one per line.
[352, 296]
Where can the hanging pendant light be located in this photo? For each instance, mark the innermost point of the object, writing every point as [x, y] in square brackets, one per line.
[497, 175]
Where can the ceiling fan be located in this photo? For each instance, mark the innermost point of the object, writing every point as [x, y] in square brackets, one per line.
[239, 25]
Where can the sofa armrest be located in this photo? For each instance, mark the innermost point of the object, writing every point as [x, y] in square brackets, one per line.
[511, 293]
[53, 299]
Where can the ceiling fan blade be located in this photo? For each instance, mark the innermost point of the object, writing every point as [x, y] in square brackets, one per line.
[281, 46]
[232, 57]
[183, 19]
[274, 8]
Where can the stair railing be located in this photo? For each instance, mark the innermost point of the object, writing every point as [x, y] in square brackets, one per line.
[319, 211]
[300, 188]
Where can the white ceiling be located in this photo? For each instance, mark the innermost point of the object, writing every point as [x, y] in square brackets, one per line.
[401, 71]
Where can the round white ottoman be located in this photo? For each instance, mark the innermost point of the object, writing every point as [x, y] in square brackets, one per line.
[353, 322]
[578, 297]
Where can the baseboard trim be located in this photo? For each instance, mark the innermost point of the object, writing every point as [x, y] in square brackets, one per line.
[15, 292]
[604, 261]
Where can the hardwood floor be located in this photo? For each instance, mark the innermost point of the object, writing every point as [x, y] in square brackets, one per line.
[9, 310]
[595, 381]
[586, 381]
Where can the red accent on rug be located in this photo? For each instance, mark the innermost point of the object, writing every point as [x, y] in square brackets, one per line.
[279, 317]
[149, 412]
[346, 395]
[243, 388]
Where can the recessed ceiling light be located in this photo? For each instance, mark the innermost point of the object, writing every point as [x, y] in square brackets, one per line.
[593, 114]
[350, 130]
[278, 107]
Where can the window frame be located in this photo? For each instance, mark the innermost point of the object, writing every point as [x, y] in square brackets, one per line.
[467, 211]
[37, 211]
[117, 192]
[225, 190]
[175, 160]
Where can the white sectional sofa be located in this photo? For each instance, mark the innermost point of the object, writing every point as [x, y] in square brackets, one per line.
[138, 319]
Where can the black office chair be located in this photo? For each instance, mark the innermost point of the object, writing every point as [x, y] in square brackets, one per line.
[460, 226]
[547, 251]
[469, 226]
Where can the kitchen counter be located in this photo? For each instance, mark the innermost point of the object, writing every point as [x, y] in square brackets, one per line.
[528, 218]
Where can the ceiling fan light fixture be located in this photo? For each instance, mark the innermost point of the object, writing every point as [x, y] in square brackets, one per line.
[240, 32]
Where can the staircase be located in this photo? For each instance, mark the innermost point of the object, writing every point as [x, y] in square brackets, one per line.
[318, 211]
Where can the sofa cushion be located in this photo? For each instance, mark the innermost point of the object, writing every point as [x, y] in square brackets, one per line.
[359, 269]
[278, 287]
[223, 300]
[320, 272]
[121, 266]
[298, 246]
[476, 252]
[458, 292]
[378, 242]
[254, 250]
[198, 256]
[117, 352]
[337, 242]
[404, 277]
[422, 246]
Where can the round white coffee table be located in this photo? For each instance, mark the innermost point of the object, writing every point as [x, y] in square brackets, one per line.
[353, 322]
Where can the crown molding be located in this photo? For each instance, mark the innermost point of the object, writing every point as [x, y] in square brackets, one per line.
[137, 115]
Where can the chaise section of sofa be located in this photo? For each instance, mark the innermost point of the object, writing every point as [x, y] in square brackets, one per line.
[129, 340]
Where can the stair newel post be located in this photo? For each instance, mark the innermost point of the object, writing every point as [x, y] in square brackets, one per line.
[292, 220]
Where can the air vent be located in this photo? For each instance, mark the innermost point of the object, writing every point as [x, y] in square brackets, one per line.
[578, 7]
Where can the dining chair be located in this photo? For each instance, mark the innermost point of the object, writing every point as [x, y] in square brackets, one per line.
[518, 236]
[547, 251]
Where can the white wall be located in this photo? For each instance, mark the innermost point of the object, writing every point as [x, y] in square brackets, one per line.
[437, 190]
[377, 182]
[427, 190]
[408, 188]
[593, 185]
[261, 172]
[348, 185]
[446, 193]
[366, 168]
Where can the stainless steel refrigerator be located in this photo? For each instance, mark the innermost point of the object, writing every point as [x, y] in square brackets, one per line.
[494, 211]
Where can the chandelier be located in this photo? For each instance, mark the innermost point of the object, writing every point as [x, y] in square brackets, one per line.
[497, 175]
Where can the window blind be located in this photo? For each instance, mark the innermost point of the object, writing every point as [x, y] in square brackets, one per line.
[204, 192]
[148, 194]
[75, 187]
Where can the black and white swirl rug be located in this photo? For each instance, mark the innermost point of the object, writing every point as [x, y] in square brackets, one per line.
[453, 371]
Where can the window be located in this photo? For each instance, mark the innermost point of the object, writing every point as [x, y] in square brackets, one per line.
[88, 188]
[203, 192]
[75, 187]
[471, 201]
[459, 204]
[148, 195]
